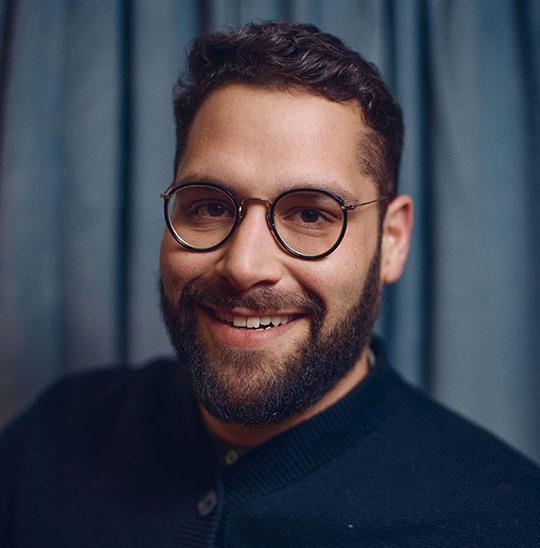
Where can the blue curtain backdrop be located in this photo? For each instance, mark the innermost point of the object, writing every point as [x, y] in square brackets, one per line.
[86, 145]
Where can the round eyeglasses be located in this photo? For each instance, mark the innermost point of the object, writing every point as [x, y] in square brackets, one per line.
[307, 223]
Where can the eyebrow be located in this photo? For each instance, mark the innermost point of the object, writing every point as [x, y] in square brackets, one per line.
[329, 186]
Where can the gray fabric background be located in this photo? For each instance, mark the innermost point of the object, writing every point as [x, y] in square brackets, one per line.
[86, 137]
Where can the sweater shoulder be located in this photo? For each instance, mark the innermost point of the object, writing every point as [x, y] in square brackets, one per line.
[448, 471]
[85, 399]
[450, 455]
[440, 431]
[94, 387]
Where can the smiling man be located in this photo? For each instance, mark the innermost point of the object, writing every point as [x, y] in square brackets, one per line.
[280, 422]
[273, 320]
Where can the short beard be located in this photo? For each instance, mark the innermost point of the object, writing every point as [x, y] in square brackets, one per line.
[253, 387]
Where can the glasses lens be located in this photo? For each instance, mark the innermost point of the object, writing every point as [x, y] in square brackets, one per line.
[201, 216]
[309, 222]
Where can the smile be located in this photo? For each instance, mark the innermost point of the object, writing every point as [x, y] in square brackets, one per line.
[254, 322]
[244, 327]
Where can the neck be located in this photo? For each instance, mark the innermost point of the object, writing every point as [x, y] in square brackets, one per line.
[251, 436]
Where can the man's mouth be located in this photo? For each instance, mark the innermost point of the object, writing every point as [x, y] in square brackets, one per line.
[253, 322]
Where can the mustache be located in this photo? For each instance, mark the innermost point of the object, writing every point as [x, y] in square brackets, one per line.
[261, 299]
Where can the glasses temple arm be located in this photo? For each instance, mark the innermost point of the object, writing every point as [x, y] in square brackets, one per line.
[350, 207]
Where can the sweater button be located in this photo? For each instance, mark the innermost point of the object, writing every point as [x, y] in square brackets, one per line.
[231, 457]
[207, 504]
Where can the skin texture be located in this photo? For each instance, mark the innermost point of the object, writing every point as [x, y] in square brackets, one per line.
[259, 143]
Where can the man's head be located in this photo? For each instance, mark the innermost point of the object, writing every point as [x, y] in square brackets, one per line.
[288, 56]
[262, 333]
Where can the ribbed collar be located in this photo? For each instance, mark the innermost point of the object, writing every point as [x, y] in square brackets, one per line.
[304, 448]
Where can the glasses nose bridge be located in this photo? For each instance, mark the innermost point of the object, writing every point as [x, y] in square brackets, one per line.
[246, 201]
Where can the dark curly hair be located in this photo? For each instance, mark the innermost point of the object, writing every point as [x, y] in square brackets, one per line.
[275, 55]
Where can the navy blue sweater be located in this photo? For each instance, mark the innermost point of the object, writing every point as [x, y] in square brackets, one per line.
[119, 458]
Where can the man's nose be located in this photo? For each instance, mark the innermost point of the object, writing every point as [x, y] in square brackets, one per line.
[252, 256]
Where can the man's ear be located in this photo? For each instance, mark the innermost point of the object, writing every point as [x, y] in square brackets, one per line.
[396, 238]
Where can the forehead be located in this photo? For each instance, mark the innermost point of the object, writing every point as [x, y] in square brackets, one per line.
[244, 136]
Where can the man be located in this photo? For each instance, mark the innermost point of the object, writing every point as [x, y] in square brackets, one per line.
[280, 423]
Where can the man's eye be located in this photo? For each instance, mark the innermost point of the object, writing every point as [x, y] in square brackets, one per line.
[209, 209]
[307, 216]
[215, 210]
[310, 215]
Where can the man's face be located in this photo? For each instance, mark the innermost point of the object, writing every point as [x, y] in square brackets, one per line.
[259, 143]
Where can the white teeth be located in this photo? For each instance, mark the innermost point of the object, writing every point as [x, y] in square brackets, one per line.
[253, 322]
[239, 321]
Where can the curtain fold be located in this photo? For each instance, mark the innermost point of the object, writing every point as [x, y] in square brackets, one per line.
[87, 145]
